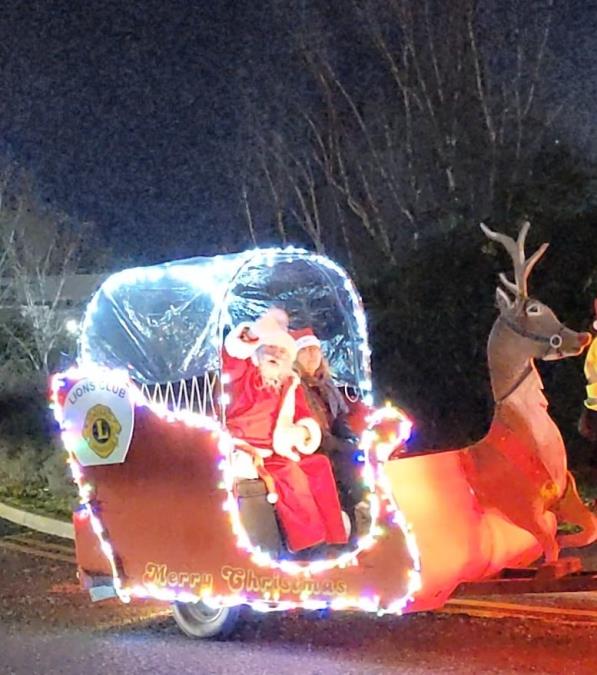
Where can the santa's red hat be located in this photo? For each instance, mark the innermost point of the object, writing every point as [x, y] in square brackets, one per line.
[305, 337]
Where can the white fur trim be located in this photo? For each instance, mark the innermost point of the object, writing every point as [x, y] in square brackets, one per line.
[279, 443]
[242, 465]
[284, 442]
[285, 438]
[284, 446]
[314, 430]
[287, 434]
[237, 348]
[307, 341]
[286, 413]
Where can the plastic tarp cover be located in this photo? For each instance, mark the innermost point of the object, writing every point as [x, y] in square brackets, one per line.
[164, 323]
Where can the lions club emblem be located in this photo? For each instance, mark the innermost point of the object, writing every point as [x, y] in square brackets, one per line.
[99, 416]
[101, 430]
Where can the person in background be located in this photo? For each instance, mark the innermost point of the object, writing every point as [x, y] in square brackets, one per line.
[268, 410]
[588, 419]
[338, 440]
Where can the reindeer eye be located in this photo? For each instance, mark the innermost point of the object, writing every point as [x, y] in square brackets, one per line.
[533, 309]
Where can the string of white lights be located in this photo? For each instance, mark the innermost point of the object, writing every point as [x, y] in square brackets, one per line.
[230, 504]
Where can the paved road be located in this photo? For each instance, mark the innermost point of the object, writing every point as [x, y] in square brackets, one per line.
[47, 626]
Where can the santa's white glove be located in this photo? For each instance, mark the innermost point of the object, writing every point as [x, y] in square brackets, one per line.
[290, 441]
[308, 435]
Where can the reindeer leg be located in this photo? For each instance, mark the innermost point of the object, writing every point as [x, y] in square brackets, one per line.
[498, 486]
[532, 519]
[544, 535]
[570, 509]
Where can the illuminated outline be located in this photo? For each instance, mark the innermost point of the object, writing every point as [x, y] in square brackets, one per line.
[372, 472]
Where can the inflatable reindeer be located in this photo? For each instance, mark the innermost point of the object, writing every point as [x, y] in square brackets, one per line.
[520, 466]
[496, 503]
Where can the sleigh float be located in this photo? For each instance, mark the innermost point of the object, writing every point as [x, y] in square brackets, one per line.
[163, 515]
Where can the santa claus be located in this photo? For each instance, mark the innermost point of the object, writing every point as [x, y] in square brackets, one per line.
[268, 410]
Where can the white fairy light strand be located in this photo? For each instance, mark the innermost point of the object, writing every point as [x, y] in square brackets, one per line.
[259, 558]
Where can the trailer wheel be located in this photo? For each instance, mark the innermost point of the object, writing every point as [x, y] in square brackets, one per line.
[198, 620]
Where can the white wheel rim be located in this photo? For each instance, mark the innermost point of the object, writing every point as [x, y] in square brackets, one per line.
[201, 613]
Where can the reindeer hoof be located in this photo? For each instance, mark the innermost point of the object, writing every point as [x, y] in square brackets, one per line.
[558, 569]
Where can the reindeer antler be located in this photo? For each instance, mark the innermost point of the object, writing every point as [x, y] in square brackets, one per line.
[522, 266]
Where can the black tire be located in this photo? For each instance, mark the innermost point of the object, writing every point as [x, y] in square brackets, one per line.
[199, 621]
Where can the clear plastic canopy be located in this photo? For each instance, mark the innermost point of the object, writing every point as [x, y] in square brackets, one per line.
[166, 322]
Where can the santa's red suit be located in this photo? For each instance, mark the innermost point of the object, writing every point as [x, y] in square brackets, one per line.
[274, 421]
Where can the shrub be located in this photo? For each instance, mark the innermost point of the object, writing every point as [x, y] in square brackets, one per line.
[33, 470]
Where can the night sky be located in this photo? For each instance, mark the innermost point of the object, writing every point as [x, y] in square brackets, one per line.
[124, 110]
[120, 108]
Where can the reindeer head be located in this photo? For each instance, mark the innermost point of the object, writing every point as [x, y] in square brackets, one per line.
[546, 337]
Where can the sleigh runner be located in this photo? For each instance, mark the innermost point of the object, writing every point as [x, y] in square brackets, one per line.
[165, 514]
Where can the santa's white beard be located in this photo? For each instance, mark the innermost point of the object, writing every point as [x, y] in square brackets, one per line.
[273, 374]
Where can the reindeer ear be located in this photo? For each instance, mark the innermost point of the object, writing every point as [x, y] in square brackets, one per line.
[503, 300]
